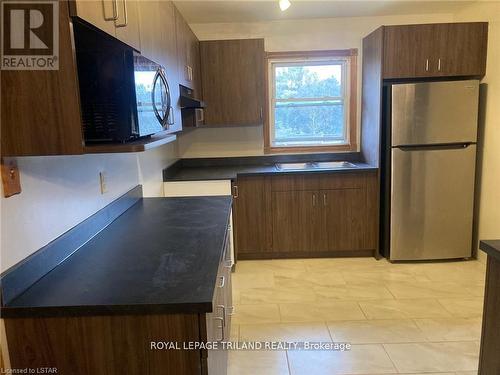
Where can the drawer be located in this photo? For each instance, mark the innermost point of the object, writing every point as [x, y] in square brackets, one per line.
[342, 181]
[295, 182]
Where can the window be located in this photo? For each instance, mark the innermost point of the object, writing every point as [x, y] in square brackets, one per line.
[312, 101]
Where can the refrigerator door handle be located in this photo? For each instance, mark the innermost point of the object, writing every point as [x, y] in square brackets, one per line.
[450, 146]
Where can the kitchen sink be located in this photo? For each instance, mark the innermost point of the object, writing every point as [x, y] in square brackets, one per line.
[314, 165]
[294, 166]
[333, 164]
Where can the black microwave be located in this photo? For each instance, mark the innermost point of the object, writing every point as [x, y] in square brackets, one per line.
[124, 96]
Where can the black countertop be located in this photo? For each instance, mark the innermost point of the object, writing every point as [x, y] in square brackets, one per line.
[160, 256]
[231, 168]
[491, 247]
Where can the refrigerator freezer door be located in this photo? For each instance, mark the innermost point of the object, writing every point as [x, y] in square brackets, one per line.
[434, 112]
[432, 198]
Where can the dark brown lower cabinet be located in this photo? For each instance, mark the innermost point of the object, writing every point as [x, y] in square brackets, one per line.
[251, 216]
[307, 215]
[344, 219]
[296, 225]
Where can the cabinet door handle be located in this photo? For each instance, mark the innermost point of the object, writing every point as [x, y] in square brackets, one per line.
[221, 327]
[223, 308]
[222, 282]
[235, 191]
[171, 119]
[314, 200]
[261, 113]
[439, 65]
[125, 12]
[325, 202]
[427, 65]
[115, 11]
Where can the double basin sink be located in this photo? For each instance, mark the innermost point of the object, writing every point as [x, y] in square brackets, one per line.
[314, 165]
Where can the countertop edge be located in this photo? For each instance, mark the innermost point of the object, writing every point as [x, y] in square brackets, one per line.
[364, 168]
[491, 247]
[82, 311]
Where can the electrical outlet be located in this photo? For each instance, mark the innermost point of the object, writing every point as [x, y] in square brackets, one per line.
[10, 178]
[102, 182]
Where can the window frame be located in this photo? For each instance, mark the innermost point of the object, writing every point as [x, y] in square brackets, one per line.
[349, 58]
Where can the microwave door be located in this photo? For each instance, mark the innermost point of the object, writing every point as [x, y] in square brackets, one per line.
[147, 99]
[161, 103]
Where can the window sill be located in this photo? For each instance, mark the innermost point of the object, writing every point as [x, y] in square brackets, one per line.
[303, 149]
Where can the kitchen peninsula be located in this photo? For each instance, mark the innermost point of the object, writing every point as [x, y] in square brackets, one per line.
[158, 272]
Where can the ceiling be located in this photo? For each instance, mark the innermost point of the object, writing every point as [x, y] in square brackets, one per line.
[268, 10]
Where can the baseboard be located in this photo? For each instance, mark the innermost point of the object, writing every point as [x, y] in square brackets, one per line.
[306, 254]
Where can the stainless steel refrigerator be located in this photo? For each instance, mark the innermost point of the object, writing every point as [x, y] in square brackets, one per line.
[433, 134]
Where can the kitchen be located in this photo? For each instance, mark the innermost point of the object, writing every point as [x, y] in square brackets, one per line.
[307, 250]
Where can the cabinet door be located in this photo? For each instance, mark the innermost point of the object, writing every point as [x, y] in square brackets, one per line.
[296, 221]
[345, 214]
[183, 50]
[372, 211]
[193, 62]
[251, 215]
[408, 51]
[150, 24]
[180, 33]
[227, 302]
[167, 52]
[216, 359]
[232, 74]
[462, 49]
[127, 24]
[27, 127]
[99, 13]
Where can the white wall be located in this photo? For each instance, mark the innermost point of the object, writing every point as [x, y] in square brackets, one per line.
[489, 210]
[228, 141]
[58, 192]
[292, 35]
[150, 165]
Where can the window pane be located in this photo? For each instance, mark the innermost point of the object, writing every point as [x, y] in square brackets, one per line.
[308, 81]
[309, 122]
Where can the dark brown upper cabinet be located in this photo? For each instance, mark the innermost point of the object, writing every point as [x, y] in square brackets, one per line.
[40, 108]
[407, 50]
[188, 55]
[233, 81]
[462, 49]
[434, 50]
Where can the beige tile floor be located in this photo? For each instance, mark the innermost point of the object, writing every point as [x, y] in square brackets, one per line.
[411, 318]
